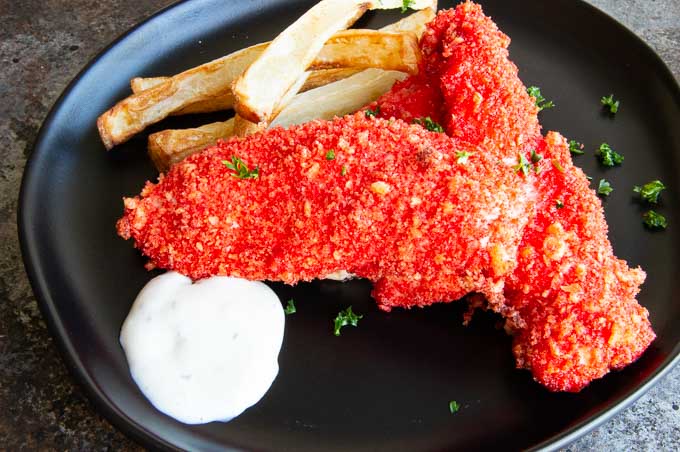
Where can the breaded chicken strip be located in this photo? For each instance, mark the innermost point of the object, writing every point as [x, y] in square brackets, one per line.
[385, 200]
[575, 299]
[570, 303]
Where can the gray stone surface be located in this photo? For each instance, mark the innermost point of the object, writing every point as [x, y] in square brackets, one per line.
[43, 44]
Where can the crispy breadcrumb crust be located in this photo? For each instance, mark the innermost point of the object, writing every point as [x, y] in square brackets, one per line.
[444, 228]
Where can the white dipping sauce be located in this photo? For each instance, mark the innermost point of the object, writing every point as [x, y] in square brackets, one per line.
[206, 351]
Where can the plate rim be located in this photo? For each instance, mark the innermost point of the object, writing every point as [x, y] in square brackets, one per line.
[136, 431]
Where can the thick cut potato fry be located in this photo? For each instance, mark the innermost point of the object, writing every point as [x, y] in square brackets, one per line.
[210, 83]
[336, 99]
[339, 98]
[291, 53]
[392, 51]
[225, 101]
[171, 146]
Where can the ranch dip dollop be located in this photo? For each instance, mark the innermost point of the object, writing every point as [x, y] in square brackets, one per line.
[203, 351]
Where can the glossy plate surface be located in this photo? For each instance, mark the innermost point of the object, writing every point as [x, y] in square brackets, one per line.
[387, 384]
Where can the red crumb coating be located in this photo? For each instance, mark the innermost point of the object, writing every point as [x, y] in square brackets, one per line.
[480, 99]
[444, 228]
[575, 298]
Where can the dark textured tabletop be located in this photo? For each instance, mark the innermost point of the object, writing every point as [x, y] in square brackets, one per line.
[43, 44]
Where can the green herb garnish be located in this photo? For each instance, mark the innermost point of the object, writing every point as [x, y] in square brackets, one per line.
[535, 158]
[541, 102]
[290, 307]
[406, 5]
[429, 124]
[343, 171]
[611, 103]
[523, 165]
[608, 156]
[373, 113]
[558, 166]
[240, 169]
[650, 191]
[575, 147]
[654, 220]
[559, 204]
[604, 188]
[462, 156]
[454, 406]
[344, 318]
[330, 155]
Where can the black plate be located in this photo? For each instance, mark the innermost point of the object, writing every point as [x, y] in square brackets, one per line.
[387, 384]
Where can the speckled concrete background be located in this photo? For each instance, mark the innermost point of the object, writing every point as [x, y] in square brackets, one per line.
[43, 44]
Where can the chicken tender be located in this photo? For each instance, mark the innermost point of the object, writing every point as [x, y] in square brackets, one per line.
[393, 205]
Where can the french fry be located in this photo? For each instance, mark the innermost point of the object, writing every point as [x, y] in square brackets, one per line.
[339, 98]
[392, 51]
[171, 146]
[225, 101]
[292, 52]
[336, 99]
[207, 82]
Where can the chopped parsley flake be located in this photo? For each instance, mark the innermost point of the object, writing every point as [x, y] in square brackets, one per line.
[240, 169]
[523, 165]
[406, 5]
[344, 318]
[608, 156]
[604, 188]
[343, 171]
[462, 156]
[559, 204]
[429, 124]
[654, 220]
[330, 155]
[575, 147]
[454, 406]
[541, 103]
[373, 113]
[611, 103]
[558, 166]
[650, 191]
[535, 158]
[290, 307]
